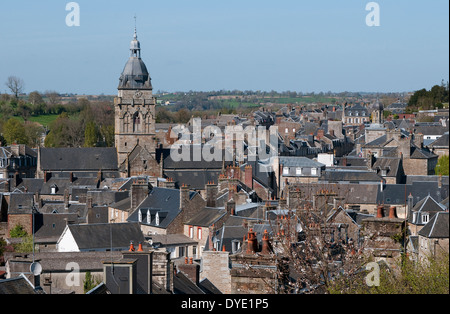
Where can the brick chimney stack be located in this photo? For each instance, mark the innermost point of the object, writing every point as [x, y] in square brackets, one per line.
[190, 269]
[212, 190]
[249, 176]
[184, 196]
[139, 192]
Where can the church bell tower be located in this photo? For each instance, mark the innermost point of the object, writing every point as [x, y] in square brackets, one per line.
[134, 106]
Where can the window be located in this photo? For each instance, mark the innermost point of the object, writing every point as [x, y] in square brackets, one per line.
[298, 171]
[235, 246]
[191, 232]
[199, 233]
[181, 251]
[314, 171]
[286, 171]
[425, 218]
[286, 131]
[194, 251]
[157, 219]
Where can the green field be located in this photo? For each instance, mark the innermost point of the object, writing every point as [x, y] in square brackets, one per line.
[45, 120]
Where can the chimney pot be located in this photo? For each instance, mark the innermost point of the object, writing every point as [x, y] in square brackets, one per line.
[380, 211]
[393, 212]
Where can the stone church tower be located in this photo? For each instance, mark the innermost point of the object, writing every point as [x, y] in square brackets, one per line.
[134, 107]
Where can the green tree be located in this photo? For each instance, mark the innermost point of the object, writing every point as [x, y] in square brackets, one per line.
[442, 167]
[91, 135]
[430, 276]
[89, 282]
[18, 232]
[14, 132]
[26, 245]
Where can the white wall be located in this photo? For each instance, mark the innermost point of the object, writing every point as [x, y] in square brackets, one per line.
[66, 242]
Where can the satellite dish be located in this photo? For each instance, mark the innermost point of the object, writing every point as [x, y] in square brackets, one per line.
[36, 268]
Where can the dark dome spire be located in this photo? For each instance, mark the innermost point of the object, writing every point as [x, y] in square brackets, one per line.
[135, 74]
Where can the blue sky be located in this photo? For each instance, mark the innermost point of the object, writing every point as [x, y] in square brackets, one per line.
[203, 45]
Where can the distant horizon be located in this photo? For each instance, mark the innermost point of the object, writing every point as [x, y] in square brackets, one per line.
[201, 45]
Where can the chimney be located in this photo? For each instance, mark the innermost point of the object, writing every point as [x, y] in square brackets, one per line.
[266, 250]
[252, 242]
[17, 179]
[249, 176]
[211, 194]
[191, 270]
[410, 202]
[139, 192]
[71, 177]
[231, 207]
[131, 247]
[320, 134]
[380, 211]
[47, 176]
[418, 140]
[184, 196]
[89, 202]
[66, 198]
[393, 212]
[282, 203]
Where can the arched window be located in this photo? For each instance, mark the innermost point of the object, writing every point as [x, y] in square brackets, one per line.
[136, 122]
[126, 123]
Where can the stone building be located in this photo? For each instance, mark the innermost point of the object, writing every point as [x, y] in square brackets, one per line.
[135, 107]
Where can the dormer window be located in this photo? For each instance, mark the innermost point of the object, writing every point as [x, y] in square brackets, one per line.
[425, 218]
[53, 189]
[157, 219]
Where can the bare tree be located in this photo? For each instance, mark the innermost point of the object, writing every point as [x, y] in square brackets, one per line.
[53, 97]
[16, 85]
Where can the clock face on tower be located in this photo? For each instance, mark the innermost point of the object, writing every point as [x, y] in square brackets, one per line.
[138, 94]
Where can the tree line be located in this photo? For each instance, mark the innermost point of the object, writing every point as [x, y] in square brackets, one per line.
[79, 123]
[430, 99]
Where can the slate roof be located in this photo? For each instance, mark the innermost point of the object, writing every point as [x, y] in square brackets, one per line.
[31, 185]
[443, 141]
[208, 287]
[78, 159]
[349, 176]
[430, 129]
[390, 164]
[49, 227]
[437, 227]
[300, 162]
[165, 202]
[183, 285]
[428, 205]
[21, 203]
[18, 285]
[196, 178]
[357, 108]
[98, 236]
[206, 217]
[171, 240]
